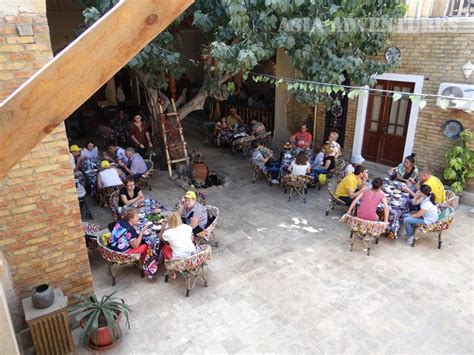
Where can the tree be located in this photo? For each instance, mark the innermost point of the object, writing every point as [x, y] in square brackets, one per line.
[328, 41]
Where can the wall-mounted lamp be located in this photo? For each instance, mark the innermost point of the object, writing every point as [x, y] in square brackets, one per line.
[467, 69]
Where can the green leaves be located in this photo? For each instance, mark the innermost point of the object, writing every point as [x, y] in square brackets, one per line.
[460, 162]
[353, 93]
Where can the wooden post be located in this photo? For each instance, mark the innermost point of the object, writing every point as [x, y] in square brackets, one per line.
[68, 80]
[315, 117]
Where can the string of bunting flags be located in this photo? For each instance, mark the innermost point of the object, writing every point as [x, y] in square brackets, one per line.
[352, 92]
[349, 90]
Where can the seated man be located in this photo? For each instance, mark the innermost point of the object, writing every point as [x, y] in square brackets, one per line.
[262, 161]
[233, 118]
[115, 153]
[192, 212]
[136, 166]
[347, 189]
[258, 128]
[302, 139]
[107, 176]
[437, 188]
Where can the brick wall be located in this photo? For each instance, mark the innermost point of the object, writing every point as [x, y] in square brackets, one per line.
[438, 57]
[40, 234]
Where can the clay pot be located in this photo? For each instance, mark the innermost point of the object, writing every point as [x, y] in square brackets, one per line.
[105, 338]
[43, 296]
[199, 172]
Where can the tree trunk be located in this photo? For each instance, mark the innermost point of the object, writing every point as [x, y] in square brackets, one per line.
[153, 98]
[196, 103]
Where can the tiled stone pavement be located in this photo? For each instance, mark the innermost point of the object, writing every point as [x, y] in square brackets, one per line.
[283, 280]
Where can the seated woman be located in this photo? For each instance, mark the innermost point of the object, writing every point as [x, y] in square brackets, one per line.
[318, 158]
[369, 200]
[222, 132]
[328, 163]
[263, 162]
[107, 176]
[192, 212]
[427, 214]
[90, 151]
[406, 171]
[300, 166]
[130, 194]
[124, 238]
[336, 147]
[179, 236]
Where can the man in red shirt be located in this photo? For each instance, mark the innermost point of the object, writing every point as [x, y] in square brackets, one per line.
[302, 139]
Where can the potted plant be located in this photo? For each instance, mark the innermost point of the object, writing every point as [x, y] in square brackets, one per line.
[460, 162]
[100, 320]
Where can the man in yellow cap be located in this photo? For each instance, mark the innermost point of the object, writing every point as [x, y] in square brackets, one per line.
[75, 157]
[192, 212]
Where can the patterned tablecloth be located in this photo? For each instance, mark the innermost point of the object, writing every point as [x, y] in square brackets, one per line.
[399, 203]
[154, 257]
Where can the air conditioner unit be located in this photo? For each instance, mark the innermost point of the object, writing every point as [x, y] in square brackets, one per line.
[464, 91]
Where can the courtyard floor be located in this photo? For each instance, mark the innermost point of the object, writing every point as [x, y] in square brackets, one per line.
[284, 281]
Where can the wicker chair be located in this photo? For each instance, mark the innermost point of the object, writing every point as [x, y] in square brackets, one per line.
[209, 234]
[117, 259]
[191, 267]
[338, 171]
[333, 200]
[90, 234]
[106, 192]
[243, 144]
[259, 171]
[364, 231]
[445, 220]
[145, 179]
[114, 204]
[296, 185]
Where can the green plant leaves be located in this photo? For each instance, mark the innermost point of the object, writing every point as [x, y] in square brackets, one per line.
[460, 162]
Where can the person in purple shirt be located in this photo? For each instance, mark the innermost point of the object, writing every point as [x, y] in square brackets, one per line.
[136, 166]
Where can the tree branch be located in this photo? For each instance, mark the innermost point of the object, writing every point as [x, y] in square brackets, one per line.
[197, 102]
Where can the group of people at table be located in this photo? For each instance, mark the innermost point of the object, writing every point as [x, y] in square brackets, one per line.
[232, 127]
[173, 237]
[111, 168]
[423, 191]
[297, 158]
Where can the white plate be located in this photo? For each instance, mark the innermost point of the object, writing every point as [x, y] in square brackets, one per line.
[156, 228]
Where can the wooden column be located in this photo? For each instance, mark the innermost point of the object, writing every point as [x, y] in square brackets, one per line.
[68, 80]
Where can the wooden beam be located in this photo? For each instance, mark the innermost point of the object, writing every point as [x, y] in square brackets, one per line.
[68, 80]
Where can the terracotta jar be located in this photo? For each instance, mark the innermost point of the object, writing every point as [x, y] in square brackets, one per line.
[199, 172]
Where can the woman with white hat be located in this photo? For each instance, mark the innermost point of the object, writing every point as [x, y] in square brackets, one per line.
[355, 161]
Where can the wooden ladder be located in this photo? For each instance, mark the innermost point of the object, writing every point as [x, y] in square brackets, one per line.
[171, 128]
